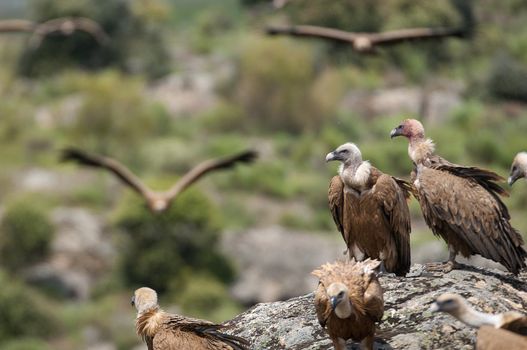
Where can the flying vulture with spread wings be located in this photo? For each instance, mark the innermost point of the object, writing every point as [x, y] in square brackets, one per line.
[462, 204]
[370, 210]
[157, 201]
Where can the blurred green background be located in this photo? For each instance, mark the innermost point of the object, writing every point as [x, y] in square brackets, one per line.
[186, 80]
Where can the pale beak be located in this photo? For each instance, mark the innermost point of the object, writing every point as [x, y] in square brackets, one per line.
[434, 307]
[334, 302]
[394, 133]
[510, 180]
[330, 156]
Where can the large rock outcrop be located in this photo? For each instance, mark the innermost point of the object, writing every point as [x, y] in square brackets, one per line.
[407, 323]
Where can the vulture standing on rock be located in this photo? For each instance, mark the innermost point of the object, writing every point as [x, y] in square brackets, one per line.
[462, 204]
[157, 201]
[370, 210]
[349, 301]
[501, 331]
[164, 331]
[518, 168]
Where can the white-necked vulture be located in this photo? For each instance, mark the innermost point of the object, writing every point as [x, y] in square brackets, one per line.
[370, 210]
[518, 168]
[462, 204]
[163, 331]
[156, 201]
[349, 301]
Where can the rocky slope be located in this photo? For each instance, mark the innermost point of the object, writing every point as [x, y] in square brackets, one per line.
[407, 323]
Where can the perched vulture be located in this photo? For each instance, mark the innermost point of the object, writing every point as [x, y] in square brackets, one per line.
[156, 201]
[462, 204]
[163, 331]
[349, 301]
[370, 210]
[501, 331]
[518, 168]
[366, 42]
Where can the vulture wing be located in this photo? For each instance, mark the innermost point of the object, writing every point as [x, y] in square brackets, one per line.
[322, 305]
[119, 170]
[314, 32]
[336, 204]
[209, 166]
[489, 338]
[392, 199]
[469, 214]
[397, 36]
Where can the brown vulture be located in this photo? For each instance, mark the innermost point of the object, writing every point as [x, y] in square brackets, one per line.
[157, 201]
[462, 204]
[366, 42]
[370, 210]
[349, 301]
[518, 168]
[500, 331]
[163, 331]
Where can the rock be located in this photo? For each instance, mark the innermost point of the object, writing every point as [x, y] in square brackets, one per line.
[407, 323]
[272, 255]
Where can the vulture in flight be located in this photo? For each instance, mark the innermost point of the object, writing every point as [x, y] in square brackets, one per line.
[496, 331]
[462, 204]
[367, 42]
[349, 301]
[370, 210]
[157, 201]
[163, 331]
[518, 168]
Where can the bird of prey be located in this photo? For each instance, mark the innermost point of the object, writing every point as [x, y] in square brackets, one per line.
[496, 331]
[62, 25]
[366, 42]
[157, 201]
[164, 331]
[462, 204]
[349, 301]
[370, 210]
[518, 168]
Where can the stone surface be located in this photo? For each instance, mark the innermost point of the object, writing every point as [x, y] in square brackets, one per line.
[407, 323]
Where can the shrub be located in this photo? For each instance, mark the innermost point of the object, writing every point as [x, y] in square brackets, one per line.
[26, 234]
[508, 79]
[164, 248]
[26, 344]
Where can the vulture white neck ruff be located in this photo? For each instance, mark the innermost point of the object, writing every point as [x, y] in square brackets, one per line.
[355, 177]
[420, 150]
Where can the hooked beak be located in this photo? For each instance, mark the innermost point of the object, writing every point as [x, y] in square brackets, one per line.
[334, 302]
[330, 156]
[395, 132]
[513, 177]
[434, 307]
[132, 302]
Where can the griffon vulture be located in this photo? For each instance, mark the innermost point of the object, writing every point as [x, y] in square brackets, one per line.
[500, 331]
[366, 42]
[518, 168]
[370, 210]
[163, 331]
[349, 301]
[462, 204]
[156, 201]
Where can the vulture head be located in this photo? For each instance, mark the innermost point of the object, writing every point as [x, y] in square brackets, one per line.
[346, 153]
[409, 128]
[450, 303]
[144, 299]
[338, 295]
[518, 168]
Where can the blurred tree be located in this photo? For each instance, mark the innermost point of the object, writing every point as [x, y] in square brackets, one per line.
[135, 29]
[164, 250]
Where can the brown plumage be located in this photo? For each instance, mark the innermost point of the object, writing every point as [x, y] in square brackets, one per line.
[462, 204]
[366, 42]
[349, 301]
[156, 201]
[518, 168]
[507, 330]
[62, 25]
[370, 210]
[163, 331]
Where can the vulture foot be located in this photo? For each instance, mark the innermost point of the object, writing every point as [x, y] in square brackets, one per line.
[444, 267]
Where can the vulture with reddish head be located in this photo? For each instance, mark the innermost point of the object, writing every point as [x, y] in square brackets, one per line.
[518, 168]
[349, 301]
[163, 331]
[462, 204]
[157, 201]
[370, 210]
[496, 331]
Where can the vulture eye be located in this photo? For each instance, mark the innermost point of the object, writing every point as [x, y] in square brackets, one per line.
[514, 168]
[341, 294]
[343, 151]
